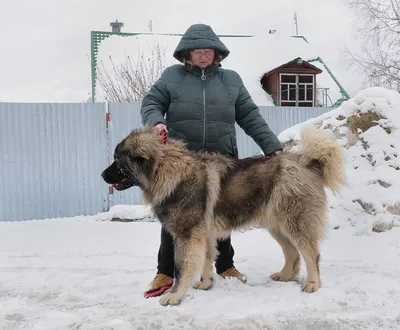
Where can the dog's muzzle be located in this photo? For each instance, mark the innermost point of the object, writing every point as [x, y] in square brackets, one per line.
[115, 176]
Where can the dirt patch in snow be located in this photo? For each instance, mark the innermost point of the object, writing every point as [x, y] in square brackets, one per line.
[364, 121]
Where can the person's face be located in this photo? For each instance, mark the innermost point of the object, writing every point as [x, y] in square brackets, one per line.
[202, 57]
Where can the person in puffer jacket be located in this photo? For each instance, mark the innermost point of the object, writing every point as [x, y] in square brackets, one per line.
[199, 103]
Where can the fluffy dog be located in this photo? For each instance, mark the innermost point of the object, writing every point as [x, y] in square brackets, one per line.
[200, 197]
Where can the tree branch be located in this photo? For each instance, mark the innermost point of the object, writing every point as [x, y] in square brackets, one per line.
[130, 81]
[379, 29]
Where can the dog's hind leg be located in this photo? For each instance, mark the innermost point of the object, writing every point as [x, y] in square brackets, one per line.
[189, 257]
[310, 251]
[207, 279]
[292, 258]
[306, 235]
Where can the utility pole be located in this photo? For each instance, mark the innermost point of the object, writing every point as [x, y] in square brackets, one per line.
[296, 24]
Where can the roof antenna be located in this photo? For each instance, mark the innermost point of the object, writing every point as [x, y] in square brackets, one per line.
[296, 23]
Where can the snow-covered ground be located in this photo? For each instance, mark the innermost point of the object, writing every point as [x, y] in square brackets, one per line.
[86, 274]
[90, 273]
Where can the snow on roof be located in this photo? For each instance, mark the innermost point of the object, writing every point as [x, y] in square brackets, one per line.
[254, 56]
[251, 57]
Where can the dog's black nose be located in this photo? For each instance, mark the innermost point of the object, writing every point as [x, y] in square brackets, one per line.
[102, 174]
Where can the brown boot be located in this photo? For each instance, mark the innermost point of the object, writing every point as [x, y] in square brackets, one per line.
[161, 280]
[233, 272]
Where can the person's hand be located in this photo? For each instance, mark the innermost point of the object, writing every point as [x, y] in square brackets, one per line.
[276, 153]
[160, 127]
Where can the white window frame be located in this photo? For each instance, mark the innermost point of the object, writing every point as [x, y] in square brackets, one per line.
[296, 85]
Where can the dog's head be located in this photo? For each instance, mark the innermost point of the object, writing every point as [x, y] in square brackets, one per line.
[135, 159]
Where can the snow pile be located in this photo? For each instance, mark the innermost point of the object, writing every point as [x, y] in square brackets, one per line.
[368, 126]
[128, 213]
[251, 57]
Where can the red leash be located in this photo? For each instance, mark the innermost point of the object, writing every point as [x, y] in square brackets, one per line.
[163, 134]
[157, 291]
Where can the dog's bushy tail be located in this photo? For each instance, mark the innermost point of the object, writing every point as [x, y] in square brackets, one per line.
[321, 150]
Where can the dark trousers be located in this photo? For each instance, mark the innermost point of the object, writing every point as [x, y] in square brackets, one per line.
[166, 255]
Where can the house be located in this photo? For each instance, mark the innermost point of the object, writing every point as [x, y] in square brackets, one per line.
[277, 70]
[286, 69]
[293, 84]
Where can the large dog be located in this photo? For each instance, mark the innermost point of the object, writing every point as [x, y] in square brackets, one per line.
[200, 197]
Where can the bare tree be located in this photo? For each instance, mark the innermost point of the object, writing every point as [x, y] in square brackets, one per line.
[130, 81]
[379, 31]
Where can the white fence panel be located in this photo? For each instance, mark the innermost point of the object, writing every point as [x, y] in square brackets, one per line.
[51, 158]
[278, 119]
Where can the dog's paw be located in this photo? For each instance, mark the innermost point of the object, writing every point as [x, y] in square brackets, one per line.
[282, 277]
[170, 298]
[204, 284]
[310, 287]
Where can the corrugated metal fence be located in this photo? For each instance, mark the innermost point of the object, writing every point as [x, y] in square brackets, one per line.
[52, 155]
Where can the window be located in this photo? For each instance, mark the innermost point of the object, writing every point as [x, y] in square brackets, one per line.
[309, 79]
[297, 90]
[288, 88]
[288, 78]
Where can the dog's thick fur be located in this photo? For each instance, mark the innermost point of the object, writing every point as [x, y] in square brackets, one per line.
[199, 197]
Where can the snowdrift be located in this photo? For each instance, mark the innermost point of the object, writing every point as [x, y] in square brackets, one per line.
[368, 128]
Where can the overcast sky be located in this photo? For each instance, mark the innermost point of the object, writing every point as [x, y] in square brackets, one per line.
[45, 44]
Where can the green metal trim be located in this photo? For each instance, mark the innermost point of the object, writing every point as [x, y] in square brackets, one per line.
[345, 95]
[301, 37]
[96, 37]
[343, 92]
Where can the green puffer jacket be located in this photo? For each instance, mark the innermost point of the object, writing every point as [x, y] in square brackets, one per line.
[201, 107]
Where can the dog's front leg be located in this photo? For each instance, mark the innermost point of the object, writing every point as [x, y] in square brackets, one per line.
[207, 279]
[189, 257]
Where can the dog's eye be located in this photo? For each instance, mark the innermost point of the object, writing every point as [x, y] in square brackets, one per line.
[138, 160]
